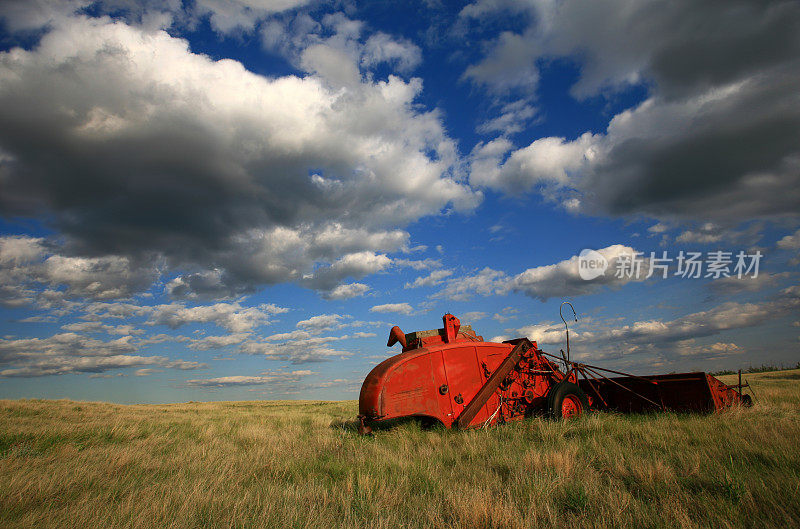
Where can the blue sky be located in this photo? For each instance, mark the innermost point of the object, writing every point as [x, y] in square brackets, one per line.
[209, 200]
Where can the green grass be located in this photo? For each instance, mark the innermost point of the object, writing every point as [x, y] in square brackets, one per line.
[301, 464]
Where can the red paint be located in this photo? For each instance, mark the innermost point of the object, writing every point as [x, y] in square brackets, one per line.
[440, 372]
[571, 407]
[451, 327]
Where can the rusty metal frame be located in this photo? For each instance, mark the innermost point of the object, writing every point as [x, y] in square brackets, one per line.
[596, 391]
[595, 371]
[494, 381]
[629, 389]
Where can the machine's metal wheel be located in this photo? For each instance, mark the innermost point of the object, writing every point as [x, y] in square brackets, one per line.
[567, 400]
[571, 407]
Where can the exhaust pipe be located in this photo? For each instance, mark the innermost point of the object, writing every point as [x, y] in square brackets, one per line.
[396, 336]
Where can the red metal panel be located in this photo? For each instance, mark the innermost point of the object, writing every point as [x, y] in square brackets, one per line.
[463, 375]
[393, 375]
[724, 396]
[411, 385]
[442, 388]
[675, 391]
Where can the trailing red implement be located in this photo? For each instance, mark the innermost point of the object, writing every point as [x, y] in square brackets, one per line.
[452, 376]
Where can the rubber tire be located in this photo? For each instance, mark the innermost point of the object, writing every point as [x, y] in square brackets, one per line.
[557, 395]
[747, 401]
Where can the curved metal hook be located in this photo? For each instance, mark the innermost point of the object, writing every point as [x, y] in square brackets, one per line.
[574, 314]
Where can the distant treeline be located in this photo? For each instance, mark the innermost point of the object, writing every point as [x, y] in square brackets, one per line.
[757, 369]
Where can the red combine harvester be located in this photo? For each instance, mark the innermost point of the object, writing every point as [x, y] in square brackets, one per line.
[454, 377]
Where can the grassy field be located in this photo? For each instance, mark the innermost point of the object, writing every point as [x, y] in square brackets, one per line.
[300, 464]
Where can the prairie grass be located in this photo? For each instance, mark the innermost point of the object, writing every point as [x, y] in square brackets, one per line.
[270, 464]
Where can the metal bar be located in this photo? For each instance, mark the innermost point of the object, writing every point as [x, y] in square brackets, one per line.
[752, 393]
[556, 371]
[695, 379]
[550, 355]
[596, 368]
[566, 362]
[583, 372]
[626, 389]
[480, 398]
[711, 392]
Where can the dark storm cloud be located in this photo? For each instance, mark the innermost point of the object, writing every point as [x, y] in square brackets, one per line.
[713, 43]
[719, 136]
[737, 157]
[28, 265]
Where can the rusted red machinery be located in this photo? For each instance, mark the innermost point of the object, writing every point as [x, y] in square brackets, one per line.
[454, 377]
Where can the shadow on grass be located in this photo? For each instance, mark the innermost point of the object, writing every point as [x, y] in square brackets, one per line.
[421, 423]
[782, 376]
[348, 425]
[430, 423]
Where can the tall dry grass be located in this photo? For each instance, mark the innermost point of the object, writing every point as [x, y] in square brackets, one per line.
[300, 464]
